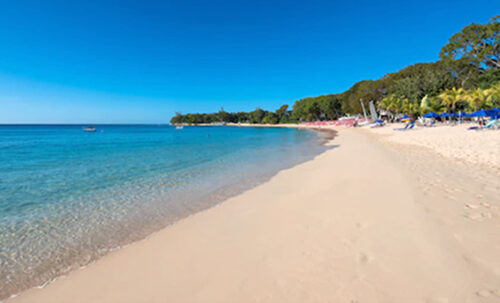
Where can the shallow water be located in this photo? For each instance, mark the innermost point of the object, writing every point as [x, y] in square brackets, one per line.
[68, 197]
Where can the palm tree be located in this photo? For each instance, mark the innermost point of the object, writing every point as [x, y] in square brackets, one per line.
[477, 98]
[436, 105]
[493, 98]
[385, 103]
[451, 97]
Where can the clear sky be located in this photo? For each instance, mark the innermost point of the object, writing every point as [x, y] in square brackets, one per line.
[141, 61]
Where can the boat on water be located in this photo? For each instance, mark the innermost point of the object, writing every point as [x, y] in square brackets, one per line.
[179, 127]
[90, 129]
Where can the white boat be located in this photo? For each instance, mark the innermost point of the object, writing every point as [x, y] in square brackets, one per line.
[179, 127]
[90, 129]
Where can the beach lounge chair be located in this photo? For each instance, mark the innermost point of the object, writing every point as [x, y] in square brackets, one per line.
[408, 126]
[377, 123]
[493, 124]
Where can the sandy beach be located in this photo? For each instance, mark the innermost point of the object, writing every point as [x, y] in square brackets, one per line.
[477, 147]
[383, 216]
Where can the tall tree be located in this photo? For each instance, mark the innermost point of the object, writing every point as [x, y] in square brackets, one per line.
[223, 116]
[281, 112]
[477, 44]
[452, 97]
[257, 115]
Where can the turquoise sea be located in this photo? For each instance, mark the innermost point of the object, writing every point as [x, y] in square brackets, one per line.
[67, 197]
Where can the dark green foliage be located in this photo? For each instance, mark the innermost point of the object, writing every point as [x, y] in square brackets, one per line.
[257, 115]
[473, 51]
[270, 118]
[282, 114]
[487, 79]
[477, 45]
[366, 90]
[221, 116]
[416, 81]
[326, 107]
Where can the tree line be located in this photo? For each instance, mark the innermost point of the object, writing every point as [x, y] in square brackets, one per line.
[467, 77]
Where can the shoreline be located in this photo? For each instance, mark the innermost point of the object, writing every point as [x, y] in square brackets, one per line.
[227, 192]
[309, 232]
[330, 131]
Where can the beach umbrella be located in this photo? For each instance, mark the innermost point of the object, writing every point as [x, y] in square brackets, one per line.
[479, 113]
[494, 112]
[431, 115]
[445, 115]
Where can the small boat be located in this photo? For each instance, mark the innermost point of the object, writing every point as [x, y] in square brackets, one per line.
[179, 127]
[90, 129]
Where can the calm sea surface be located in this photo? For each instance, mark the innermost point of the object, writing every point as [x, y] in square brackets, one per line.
[68, 197]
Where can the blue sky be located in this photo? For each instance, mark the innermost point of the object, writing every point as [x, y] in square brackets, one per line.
[141, 61]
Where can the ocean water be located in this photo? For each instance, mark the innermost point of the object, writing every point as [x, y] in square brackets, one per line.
[68, 197]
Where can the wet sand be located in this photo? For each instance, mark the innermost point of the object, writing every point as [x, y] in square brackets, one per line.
[371, 220]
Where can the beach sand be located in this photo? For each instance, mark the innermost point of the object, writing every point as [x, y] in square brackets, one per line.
[479, 147]
[370, 220]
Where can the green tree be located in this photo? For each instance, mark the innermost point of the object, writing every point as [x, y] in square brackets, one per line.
[270, 118]
[477, 45]
[223, 116]
[435, 105]
[366, 90]
[477, 98]
[257, 115]
[494, 95]
[177, 119]
[452, 97]
[488, 79]
[418, 80]
[282, 112]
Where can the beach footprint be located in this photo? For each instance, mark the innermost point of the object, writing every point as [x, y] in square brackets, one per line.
[479, 215]
[360, 225]
[474, 216]
[483, 293]
[487, 215]
[472, 206]
[364, 258]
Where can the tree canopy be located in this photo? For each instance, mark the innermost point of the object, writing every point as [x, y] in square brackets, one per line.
[476, 44]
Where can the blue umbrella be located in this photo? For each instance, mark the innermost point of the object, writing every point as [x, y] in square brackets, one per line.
[431, 115]
[445, 115]
[479, 113]
[494, 112]
[405, 117]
